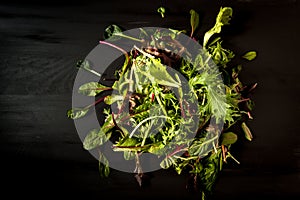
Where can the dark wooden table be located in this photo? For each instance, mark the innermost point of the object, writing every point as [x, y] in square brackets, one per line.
[41, 153]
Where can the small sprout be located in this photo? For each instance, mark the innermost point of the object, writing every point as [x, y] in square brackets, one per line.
[247, 131]
[231, 156]
[162, 11]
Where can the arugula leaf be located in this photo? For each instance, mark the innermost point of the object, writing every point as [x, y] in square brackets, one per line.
[250, 55]
[223, 18]
[92, 88]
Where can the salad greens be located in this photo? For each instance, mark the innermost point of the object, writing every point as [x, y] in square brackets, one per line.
[151, 98]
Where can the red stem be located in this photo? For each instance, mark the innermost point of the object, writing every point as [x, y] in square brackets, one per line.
[181, 108]
[242, 100]
[116, 47]
[178, 149]
[96, 102]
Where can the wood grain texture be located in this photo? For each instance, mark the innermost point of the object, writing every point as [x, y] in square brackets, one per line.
[41, 153]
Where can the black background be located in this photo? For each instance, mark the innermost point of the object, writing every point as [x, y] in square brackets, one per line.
[40, 43]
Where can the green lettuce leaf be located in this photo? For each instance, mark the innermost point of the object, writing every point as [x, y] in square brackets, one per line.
[223, 18]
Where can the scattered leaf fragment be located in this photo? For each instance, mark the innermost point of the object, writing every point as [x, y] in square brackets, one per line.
[250, 55]
[162, 11]
[247, 131]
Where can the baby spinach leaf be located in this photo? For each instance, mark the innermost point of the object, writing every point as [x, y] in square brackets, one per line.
[92, 88]
[250, 55]
[194, 20]
[95, 138]
[228, 138]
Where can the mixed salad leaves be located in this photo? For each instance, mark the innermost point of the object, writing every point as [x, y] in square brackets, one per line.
[169, 105]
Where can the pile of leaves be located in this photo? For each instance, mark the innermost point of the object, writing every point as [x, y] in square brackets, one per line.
[167, 121]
